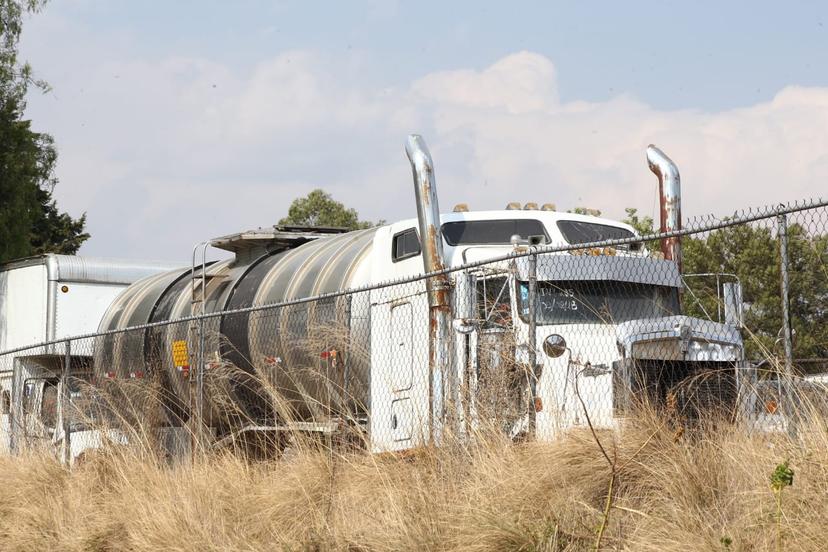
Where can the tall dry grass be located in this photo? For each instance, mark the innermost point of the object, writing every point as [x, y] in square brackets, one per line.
[707, 488]
[698, 490]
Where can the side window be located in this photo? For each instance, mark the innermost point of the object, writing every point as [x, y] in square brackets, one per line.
[494, 303]
[405, 245]
[49, 407]
[28, 396]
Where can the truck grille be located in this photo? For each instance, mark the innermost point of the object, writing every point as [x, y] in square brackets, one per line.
[690, 390]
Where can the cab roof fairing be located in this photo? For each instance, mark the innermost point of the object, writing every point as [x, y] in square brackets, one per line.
[636, 270]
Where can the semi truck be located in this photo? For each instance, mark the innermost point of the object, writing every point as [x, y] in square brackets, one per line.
[521, 295]
[45, 299]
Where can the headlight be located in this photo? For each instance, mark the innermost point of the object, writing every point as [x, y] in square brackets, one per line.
[554, 346]
[713, 352]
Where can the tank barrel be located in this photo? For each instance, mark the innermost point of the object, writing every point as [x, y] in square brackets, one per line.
[443, 384]
[669, 194]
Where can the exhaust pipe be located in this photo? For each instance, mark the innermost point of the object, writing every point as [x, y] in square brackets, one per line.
[428, 217]
[443, 383]
[669, 194]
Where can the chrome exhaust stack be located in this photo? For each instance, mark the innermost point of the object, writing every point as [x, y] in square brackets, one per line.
[669, 194]
[443, 385]
[428, 217]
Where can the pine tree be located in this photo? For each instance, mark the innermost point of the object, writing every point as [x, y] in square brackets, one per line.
[30, 222]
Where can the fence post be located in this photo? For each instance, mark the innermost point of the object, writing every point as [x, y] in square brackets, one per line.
[788, 409]
[200, 386]
[64, 404]
[786, 316]
[531, 373]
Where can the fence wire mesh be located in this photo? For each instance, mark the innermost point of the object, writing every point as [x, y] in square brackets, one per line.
[577, 325]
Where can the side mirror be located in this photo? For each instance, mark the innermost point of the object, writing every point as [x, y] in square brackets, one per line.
[732, 296]
[554, 346]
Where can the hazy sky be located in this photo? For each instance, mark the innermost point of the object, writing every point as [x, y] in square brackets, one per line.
[179, 121]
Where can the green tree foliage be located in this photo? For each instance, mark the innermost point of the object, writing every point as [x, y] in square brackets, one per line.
[752, 253]
[30, 221]
[16, 197]
[642, 225]
[318, 208]
[53, 231]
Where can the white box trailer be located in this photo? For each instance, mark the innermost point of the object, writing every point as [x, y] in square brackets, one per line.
[52, 296]
[47, 298]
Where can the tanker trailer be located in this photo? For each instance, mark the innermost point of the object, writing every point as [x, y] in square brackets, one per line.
[247, 354]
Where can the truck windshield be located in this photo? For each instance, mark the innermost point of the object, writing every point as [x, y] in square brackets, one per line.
[590, 302]
[491, 232]
[576, 232]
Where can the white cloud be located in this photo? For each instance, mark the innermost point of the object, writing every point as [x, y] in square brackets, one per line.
[520, 83]
[164, 153]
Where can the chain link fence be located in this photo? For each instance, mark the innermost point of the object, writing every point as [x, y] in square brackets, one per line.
[539, 340]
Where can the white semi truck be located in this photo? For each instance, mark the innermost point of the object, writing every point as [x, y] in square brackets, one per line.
[45, 299]
[400, 364]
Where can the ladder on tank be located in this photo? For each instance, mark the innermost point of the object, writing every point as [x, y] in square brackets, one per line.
[198, 298]
[198, 282]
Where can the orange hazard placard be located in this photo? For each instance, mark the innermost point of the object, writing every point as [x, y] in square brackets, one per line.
[181, 356]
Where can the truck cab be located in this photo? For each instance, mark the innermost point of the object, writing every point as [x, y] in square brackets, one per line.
[609, 337]
[37, 419]
[609, 333]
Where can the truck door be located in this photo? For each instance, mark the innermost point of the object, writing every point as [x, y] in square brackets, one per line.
[5, 413]
[399, 376]
[401, 355]
[33, 403]
[402, 371]
[501, 382]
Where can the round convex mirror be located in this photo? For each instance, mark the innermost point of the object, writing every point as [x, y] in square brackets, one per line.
[554, 345]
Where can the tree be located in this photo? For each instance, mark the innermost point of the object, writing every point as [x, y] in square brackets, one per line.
[643, 226]
[53, 231]
[30, 221]
[751, 253]
[320, 209]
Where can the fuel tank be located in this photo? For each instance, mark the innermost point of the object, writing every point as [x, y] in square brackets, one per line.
[271, 362]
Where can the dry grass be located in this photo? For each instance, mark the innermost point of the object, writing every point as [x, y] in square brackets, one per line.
[691, 491]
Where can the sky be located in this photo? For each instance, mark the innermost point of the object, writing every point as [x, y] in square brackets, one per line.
[180, 121]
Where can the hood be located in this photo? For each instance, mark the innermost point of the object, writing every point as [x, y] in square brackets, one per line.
[679, 338]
